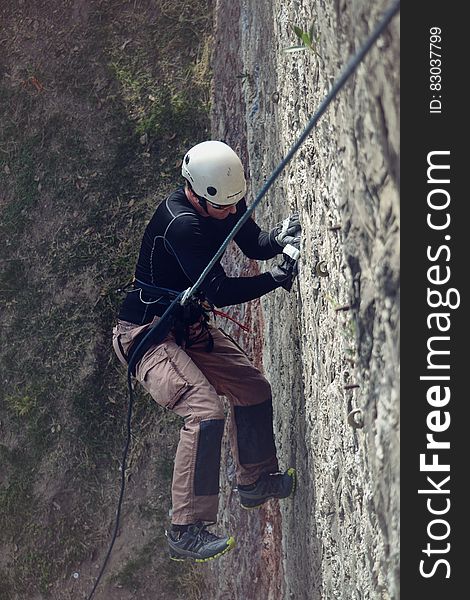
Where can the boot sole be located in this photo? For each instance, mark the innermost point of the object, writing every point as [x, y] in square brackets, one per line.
[290, 472]
[230, 546]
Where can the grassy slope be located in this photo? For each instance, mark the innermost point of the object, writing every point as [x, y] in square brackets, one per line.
[99, 100]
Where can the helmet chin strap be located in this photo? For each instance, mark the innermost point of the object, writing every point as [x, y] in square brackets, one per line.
[202, 203]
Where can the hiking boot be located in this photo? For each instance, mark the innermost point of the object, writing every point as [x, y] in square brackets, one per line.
[198, 544]
[269, 485]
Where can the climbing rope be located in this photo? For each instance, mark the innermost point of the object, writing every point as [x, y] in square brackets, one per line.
[183, 298]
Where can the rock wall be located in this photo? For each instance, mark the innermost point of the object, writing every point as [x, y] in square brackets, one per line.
[332, 344]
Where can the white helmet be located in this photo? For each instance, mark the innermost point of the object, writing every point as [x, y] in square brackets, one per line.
[215, 172]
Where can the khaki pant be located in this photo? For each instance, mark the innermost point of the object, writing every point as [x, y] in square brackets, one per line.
[189, 380]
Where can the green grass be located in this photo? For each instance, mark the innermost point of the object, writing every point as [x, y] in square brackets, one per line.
[129, 576]
[21, 179]
[6, 585]
[16, 497]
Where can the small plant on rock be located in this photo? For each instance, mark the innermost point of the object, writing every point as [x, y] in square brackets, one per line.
[307, 39]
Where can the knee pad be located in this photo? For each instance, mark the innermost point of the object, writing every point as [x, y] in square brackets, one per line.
[206, 472]
[255, 437]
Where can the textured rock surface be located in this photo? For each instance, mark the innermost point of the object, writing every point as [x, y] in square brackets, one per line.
[339, 537]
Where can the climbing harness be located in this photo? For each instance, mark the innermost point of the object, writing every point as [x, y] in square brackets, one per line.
[158, 331]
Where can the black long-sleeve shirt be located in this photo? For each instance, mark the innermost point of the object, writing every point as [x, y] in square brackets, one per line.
[177, 246]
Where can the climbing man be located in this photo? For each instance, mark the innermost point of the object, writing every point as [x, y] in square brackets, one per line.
[196, 362]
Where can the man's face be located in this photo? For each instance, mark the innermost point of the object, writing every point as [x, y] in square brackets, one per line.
[220, 214]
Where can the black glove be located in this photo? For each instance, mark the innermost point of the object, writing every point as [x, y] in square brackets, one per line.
[285, 272]
[286, 231]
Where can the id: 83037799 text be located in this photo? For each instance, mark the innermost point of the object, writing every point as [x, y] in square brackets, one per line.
[435, 70]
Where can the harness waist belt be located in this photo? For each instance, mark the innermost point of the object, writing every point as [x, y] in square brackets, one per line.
[153, 290]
